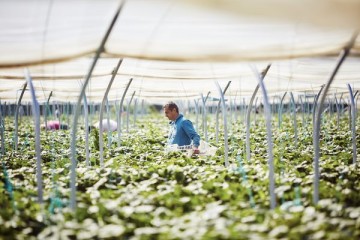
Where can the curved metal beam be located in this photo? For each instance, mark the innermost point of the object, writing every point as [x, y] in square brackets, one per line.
[218, 111]
[204, 114]
[46, 110]
[281, 109]
[36, 114]
[269, 139]
[78, 107]
[263, 74]
[120, 111]
[87, 149]
[294, 118]
[353, 121]
[128, 112]
[101, 141]
[226, 144]
[316, 134]
[17, 117]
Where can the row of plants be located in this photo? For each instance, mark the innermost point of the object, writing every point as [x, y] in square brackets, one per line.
[143, 192]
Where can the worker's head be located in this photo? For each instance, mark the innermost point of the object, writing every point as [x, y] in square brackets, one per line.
[171, 111]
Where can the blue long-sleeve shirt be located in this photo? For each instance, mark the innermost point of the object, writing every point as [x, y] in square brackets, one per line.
[182, 132]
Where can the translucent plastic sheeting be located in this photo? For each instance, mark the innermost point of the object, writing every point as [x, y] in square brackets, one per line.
[39, 32]
[159, 80]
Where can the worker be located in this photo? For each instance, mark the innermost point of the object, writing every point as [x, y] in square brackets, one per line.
[182, 131]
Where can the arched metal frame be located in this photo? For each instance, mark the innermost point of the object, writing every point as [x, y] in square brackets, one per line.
[294, 118]
[226, 144]
[267, 111]
[316, 133]
[204, 123]
[36, 115]
[218, 111]
[86, 120]
[78, 107]
[101, 141]
[128, 112]
[46, 109]
[248, 112]
[120, 111]
[280, 110]
[17, 117]
[353, 122]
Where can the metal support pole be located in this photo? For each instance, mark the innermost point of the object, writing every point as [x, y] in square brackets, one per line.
[218, 111]
[46, 110]
[281, 109]
[294, 118]
[204, 115]
[353, 121]
[267, 111]
[108, 122]
[316, 133]
[101, 141]
[78, 107]
[248, 112]
[36, 114]
[226, 144]
[135, 110]
[17, 117]
[315, 103]
[128, 112]
[120, 112]
[337, 112]
[87, 148]
[255, 106]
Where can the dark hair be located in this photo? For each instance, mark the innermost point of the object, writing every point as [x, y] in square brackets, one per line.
[171, 106]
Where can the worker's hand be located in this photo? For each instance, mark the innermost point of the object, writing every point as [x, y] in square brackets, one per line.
[196, 151]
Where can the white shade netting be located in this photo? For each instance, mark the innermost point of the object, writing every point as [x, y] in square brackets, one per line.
[175, 49]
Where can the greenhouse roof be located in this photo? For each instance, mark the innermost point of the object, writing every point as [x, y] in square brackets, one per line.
[175, 49]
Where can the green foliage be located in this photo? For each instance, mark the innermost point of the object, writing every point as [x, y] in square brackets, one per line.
[145, 193]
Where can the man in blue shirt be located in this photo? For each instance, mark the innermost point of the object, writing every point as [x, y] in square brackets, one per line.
[182, 131]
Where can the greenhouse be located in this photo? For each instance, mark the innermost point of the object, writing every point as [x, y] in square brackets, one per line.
[87, 90]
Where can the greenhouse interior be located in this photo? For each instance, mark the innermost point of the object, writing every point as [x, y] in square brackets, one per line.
[266, 93]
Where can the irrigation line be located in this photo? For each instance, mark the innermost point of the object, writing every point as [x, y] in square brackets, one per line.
[36, 115]
[244, 178]
[248, 112]
[78, 107]
[267, 111]
[316, 134]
